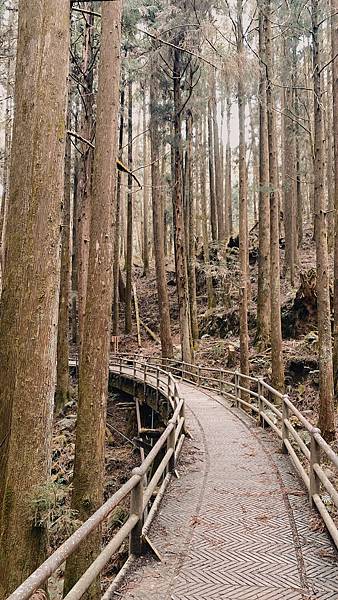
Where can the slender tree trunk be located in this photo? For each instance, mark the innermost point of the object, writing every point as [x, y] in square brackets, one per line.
[228, 176]
[158, 220]
[326, 407]
[192, 230]
[263, 299]
[213, 212]
[145, 191]
[85, 178]
[129, 255]
[179, 232]
[29, 302]
[289, 165]
[204, 212]
[334, 42]
[276, 326]
[242, 202]
[62, 373]
[117, 226]
[217, 162]
[88, 480]
[300, 203]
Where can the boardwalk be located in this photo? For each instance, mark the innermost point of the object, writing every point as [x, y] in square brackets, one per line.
[237, 523]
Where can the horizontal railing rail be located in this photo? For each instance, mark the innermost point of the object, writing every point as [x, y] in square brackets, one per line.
[142, 486]
[309, 452]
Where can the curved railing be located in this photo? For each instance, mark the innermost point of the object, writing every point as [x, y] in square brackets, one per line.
[309, 452]
[142, 487]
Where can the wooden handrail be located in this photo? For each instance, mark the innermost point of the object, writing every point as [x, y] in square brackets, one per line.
[171, 440]
[312, 473]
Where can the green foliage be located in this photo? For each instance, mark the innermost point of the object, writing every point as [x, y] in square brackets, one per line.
[51, 511]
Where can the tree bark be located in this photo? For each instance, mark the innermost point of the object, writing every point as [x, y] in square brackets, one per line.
[276, 326]
[204, 212]
[228, 169]
[334, 51]
[213, 211]
[88, 480]
[217, 162]
[29, 302]
[242, 202]
[326, 406]
[179, 232]
[62, 372]
[263, 298]
[85, 177]
[117, 224]
[145, 191]
[192, 231]
[158, 220]
[129, 254]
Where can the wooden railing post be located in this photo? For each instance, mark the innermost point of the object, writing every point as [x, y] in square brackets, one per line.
[285, 431]
[171, 444]
[314, 459]
[236, 388]
[260, 389]
[221, 382]
[198, 375]
[136, 508]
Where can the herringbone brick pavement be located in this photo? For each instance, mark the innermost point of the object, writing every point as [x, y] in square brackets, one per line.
[237, 524]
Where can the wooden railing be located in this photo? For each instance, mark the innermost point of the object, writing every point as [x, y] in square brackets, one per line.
[279, 413]
[142, 487]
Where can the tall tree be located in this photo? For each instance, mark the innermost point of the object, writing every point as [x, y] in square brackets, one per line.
[130, 241]
[276, 326]
[29, 302]
[334, 52]
[62, 373]
[158, 216]
[88, 480]
[263, 298]
[83, 201]
[179, 232]
[326, 407]
[242, 202]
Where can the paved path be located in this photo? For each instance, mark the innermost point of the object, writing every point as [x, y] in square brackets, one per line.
[237, 524]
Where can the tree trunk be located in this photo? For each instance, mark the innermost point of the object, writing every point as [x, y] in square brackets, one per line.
[88, 480]
[192, 230]
[242, 203]
[180, 247]
[326, 407]
[289, 165]
[334, 42]
[217, 162]
[213, 212]
[145, 191]
[62, 373]
[117, 224]
[202, 153]
[158, 220]
[129, 254]
[263, 298]
[29, 302]
[228, 177]
[85, 178]
[276, 326]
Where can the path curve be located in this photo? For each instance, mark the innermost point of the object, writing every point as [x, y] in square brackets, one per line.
[236, 524]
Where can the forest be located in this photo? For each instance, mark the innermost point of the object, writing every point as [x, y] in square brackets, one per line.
[169, 190]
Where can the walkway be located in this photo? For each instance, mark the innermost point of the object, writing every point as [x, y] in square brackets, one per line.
[237, 523]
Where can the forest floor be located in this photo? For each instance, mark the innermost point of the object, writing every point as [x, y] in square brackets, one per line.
[219, 327]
